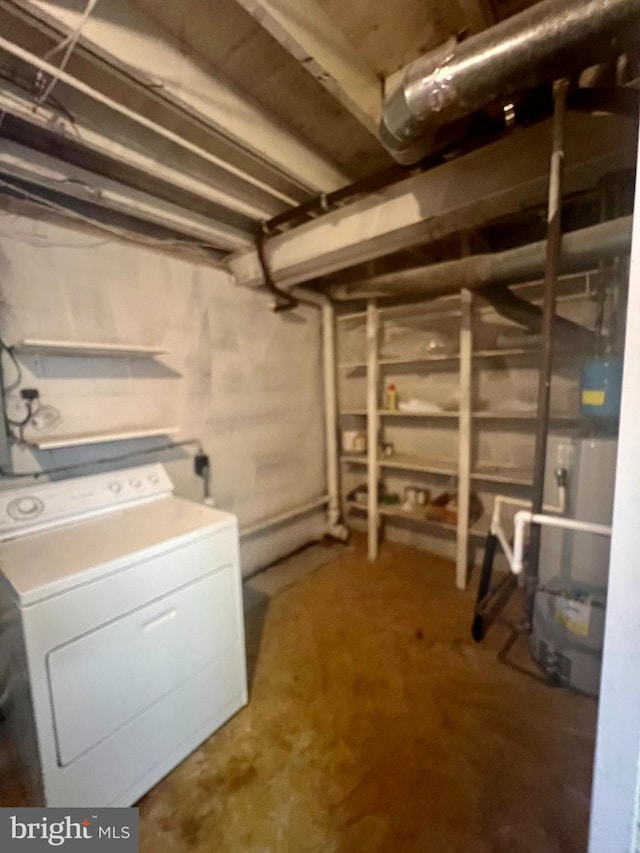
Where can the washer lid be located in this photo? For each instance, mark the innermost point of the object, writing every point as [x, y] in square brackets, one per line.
[53, 561]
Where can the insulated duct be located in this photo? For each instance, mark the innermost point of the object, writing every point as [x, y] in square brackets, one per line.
[553, 39]
[581, 250]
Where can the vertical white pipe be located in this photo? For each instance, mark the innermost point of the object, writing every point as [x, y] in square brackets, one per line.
[372, 425]
[319, 300]
[331, 411]
[464, 440]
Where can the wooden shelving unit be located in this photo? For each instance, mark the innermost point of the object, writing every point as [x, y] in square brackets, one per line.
[469, 319]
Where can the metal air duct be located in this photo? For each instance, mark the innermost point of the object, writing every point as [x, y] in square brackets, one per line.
[553, 39]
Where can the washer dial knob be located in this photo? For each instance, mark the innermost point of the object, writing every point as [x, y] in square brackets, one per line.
[26, 508]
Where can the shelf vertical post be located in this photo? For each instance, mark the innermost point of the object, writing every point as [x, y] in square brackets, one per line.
[464, 440]
[373, 322]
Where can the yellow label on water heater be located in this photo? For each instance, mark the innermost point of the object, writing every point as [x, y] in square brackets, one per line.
[593, 398]
[574, 615]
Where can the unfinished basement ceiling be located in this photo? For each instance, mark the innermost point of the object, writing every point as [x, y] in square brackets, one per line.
[207, 117]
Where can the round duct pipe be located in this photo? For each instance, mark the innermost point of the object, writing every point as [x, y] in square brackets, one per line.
[553, 39]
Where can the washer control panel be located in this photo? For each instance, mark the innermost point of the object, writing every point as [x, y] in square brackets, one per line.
[39, 507]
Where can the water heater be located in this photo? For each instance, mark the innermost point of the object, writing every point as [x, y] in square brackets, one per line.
[570, 602]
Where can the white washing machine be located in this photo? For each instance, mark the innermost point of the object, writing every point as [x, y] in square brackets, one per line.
[122, 617]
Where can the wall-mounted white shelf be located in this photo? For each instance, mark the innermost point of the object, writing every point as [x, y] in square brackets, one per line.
[54, 442]
[89, 349]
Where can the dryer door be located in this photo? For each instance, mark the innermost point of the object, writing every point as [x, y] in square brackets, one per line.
[102, 680]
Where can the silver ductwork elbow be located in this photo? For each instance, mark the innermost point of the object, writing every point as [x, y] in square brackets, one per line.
[553, 39]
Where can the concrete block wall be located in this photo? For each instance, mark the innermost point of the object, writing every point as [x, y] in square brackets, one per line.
[243, 380]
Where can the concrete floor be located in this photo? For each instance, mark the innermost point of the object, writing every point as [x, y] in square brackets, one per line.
[375, 724]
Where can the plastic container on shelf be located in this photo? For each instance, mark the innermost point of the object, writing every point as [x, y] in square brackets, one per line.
[391, 399]
[354, 441]
[353, 434]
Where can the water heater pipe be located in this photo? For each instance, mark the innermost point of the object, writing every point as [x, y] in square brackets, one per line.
[504, 500]
[525, 517]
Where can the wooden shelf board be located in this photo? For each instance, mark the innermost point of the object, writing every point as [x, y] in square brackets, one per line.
[421, 359]
[409, 462]
[502, 474]
[398, 414]
[53, 442]
[496, 353]
[507, 474]
[89, 349]
[417, 515]
[558, 417]
[354, 458]
[444, 359]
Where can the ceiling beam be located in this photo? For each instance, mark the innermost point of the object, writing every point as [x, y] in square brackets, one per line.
[493, 182]
[308, 34]
[126, 40]
[90, 133]
[39, 169]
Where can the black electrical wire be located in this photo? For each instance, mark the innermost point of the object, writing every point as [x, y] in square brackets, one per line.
[16, 382]
[283, 301]
[45, 472]
[8, 423]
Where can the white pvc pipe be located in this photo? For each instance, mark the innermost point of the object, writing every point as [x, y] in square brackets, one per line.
[331, 411]
[373, 368]
[275, 520]
[505, 500]
[464, 439]
[61, 75]
[330, 406]
[525, 517]
[496, 520]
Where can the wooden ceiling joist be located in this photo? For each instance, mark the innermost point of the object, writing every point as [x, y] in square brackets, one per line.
[307, 33]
